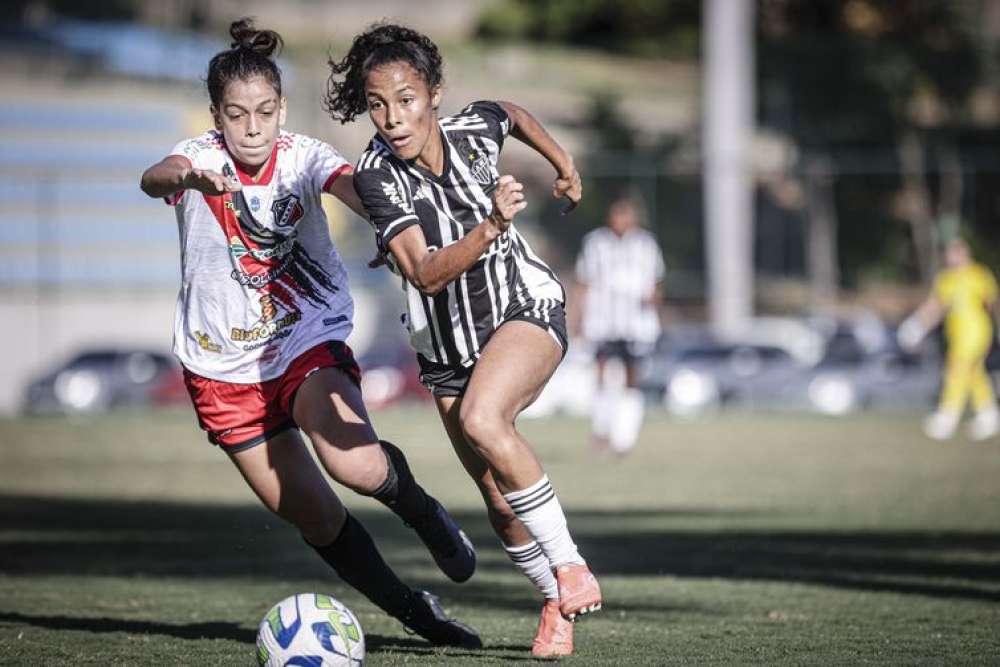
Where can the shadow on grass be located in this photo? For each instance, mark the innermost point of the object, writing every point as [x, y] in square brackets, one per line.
[105, 537]
[210, 630]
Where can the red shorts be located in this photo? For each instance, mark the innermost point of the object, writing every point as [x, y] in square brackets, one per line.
[238, 416]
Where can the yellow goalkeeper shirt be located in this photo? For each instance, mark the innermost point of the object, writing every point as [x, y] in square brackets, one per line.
[967, 293]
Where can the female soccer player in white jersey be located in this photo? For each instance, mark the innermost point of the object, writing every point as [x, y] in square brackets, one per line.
[485, 314]
[262, 315]
[620, 271]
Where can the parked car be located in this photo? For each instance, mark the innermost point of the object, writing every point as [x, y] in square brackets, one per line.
[862, 367]
[103, 379]
[695, 375]
[852, 376]
[857, 365]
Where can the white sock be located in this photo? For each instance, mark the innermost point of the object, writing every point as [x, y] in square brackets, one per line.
[600, 422]
[630, 410]
[539, 510]
[531, 561]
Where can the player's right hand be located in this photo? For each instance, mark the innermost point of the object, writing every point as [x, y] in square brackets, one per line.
[508, 201]
[910, 333]
[570, 186]
[210, 182]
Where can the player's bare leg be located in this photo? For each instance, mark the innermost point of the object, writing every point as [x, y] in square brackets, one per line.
[285, 478]
[555, 634]
[510, 373]
[329, 409]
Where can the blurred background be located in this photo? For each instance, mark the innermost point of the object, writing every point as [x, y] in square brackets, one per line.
[799, 162]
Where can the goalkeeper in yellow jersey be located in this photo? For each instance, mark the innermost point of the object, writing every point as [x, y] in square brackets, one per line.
[964, 294]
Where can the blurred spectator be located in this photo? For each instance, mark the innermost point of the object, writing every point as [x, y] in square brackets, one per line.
[620, 270]
[963, 294]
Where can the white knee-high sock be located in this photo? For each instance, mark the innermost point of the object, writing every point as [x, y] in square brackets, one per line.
[603, 411]
[539, 510]
[532, 562]
[629, 413]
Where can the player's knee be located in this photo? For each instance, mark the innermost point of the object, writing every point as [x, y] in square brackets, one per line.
[362, 470]
[482, 426]
[365, 478]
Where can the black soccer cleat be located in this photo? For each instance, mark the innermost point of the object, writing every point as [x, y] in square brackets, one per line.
[452, 550]
[427, 618]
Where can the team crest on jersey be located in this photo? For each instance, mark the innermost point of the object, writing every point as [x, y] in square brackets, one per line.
[481, 168]
[287, 211]
[255, 204]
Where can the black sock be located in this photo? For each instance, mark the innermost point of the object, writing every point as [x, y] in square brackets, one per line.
[354, 556]
[400, 492]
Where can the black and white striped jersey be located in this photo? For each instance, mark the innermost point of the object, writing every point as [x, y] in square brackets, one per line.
[452, 326]
[620, 273]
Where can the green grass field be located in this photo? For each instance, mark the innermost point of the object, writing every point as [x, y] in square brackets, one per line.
[742, 539]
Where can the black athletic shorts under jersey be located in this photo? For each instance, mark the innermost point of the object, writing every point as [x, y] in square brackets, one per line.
[447, 380]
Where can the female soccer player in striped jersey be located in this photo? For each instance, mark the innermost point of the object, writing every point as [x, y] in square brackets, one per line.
[262, 315]
[620, 270]
[485, 314]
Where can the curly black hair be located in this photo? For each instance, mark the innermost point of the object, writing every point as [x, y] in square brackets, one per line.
[382, 43]
[249, 55]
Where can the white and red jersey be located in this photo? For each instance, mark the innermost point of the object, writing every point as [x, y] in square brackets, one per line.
[261, 282]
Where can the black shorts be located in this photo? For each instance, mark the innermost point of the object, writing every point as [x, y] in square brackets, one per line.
[629, 351]
[447, 380]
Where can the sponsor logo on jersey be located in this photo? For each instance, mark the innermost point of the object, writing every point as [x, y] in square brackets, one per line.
[259, 280]
[330, 321]
[205, 343]
[268, 326]
[287, 211]
[236, 247]
[423, 192]
[395, 197]
[254, 204]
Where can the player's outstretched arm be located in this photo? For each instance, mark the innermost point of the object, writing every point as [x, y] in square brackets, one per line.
[174, 173]
[525, 127]
[915, 327]
[430, 271]
[343, 189]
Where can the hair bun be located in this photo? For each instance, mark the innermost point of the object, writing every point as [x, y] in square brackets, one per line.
[245, 36]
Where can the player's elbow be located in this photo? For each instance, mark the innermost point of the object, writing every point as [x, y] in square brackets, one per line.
[145, 184]
[427, 277]
[428, 286]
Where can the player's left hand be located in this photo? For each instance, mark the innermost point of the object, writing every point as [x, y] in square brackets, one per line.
[568, 185]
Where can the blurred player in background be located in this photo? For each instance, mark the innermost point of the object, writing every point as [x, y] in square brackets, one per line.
[485, 314]
[964, 294]
[620, 273]
[262, 315]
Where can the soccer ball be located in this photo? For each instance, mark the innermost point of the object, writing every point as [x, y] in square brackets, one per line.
[310, 630]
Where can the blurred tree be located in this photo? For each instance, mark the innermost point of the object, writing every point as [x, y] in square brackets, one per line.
[638, 27]
[848, 81]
